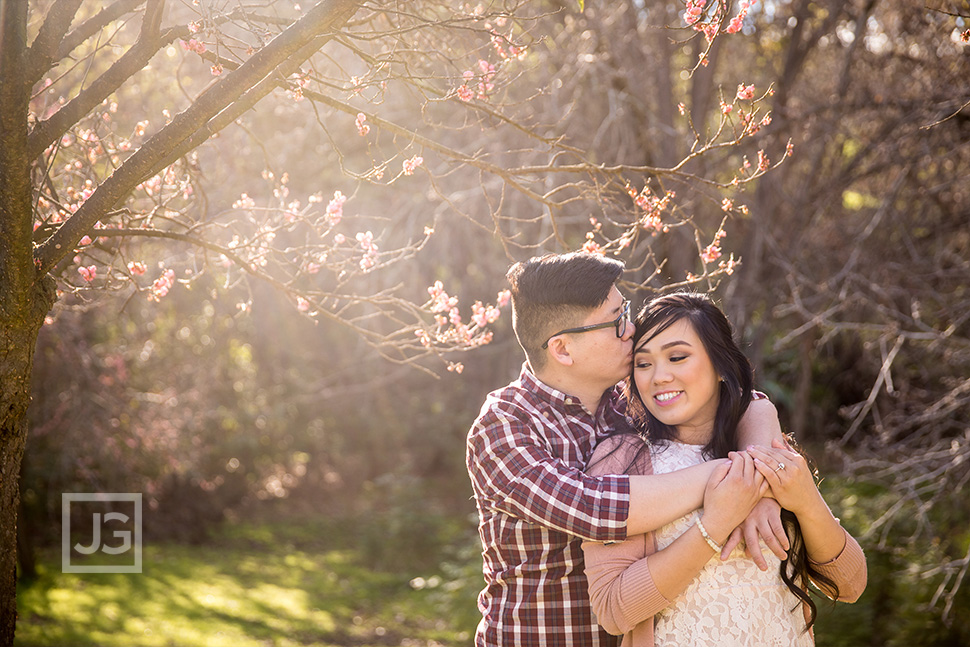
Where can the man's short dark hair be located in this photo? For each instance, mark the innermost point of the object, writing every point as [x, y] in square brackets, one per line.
[554, 292]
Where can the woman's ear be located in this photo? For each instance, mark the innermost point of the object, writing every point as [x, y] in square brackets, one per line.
[559, 351]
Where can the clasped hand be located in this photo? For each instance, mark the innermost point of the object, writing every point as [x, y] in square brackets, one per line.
[786, 481]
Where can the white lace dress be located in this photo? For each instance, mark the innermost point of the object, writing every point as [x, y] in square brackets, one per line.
[731, 603]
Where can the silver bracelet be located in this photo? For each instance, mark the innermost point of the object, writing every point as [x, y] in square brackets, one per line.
[710, 541]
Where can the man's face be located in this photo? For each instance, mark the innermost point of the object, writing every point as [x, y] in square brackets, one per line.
[600, 355]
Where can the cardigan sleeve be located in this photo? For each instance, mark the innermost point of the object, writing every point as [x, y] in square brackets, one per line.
[621, 589]
[848, 570]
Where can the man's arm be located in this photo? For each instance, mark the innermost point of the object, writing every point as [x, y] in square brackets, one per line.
[759, 426]
[515, 474]
[656, 499]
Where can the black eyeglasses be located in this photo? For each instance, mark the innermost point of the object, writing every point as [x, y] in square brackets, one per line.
[620, 323]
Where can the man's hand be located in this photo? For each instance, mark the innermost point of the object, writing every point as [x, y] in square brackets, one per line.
[764, 522]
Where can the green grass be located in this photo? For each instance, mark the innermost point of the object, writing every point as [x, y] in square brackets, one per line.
[270, 585]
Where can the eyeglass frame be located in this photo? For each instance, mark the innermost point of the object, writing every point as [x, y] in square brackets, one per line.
[624, 318]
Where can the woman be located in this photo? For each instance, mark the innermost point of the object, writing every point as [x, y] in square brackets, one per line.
[689, 386]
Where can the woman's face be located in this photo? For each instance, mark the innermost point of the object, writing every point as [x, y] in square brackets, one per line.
[677, 381]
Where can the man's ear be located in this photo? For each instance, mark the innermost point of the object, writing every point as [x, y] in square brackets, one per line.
[559, 351]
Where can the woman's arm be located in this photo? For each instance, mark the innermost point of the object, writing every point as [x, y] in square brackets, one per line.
[628, 587]
[828, 544]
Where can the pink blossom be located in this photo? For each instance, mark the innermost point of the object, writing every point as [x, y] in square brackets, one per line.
[711, 253]
[695, 9]
[302, 304]
[440, 301]
[339, 239]
[735, 24]
[88, 273]
[244, 202]
[763, 161]
[592, 247]
[162, 285]
[194, 45]
[746, 92]
[465, 93]
[86, 240]
[335, 209]
[362, 127]
[413, 163]
[423, 337]
[369, 259]
[503, 298]
[137, 268]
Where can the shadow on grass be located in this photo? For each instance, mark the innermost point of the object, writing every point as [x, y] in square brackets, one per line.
[301, 584]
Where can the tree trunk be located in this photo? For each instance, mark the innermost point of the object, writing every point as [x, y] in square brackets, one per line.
[25, 296]
[18, 336]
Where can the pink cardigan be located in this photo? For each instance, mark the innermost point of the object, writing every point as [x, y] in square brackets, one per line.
[621, 589]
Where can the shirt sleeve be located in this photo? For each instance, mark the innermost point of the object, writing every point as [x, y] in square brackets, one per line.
[514, 473]
[848, 570]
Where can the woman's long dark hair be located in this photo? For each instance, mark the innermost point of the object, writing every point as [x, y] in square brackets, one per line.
[733, 367]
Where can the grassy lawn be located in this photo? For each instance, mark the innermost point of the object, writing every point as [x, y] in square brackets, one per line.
[276, 585]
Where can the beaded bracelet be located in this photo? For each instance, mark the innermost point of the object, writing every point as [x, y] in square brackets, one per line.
[710, 541]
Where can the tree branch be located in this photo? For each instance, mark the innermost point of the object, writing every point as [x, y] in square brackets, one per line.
[325, 17]
[40, 56]
[90, 27]
[134, 60]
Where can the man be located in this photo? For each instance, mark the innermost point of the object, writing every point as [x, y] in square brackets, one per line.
[527, 450]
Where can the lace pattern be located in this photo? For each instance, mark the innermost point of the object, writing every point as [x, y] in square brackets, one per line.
[731, 603]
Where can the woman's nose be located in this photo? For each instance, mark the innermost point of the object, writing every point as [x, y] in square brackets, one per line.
[661, 374]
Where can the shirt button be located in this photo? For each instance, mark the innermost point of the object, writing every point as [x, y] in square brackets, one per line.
[569, 400]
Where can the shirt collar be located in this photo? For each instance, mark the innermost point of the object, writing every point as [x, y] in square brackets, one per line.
[554, 397]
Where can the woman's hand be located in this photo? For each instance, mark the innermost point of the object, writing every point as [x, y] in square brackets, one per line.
[732, 491]
[787, 473]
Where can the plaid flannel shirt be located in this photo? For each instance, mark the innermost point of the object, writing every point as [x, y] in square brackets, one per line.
[526, 454]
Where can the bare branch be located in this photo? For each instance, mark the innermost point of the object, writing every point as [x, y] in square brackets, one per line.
[41, 54]
[322, 19]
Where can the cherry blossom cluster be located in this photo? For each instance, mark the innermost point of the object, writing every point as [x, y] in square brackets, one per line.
[652, 206]
[162, 285]
[450, 329]
[485, 82]
[335, 208]
[411, 164]
[366, 241]
[750, 123]
[694, 17]
[193, 45]
[713, 251]
[362, 127]
[503, 45]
